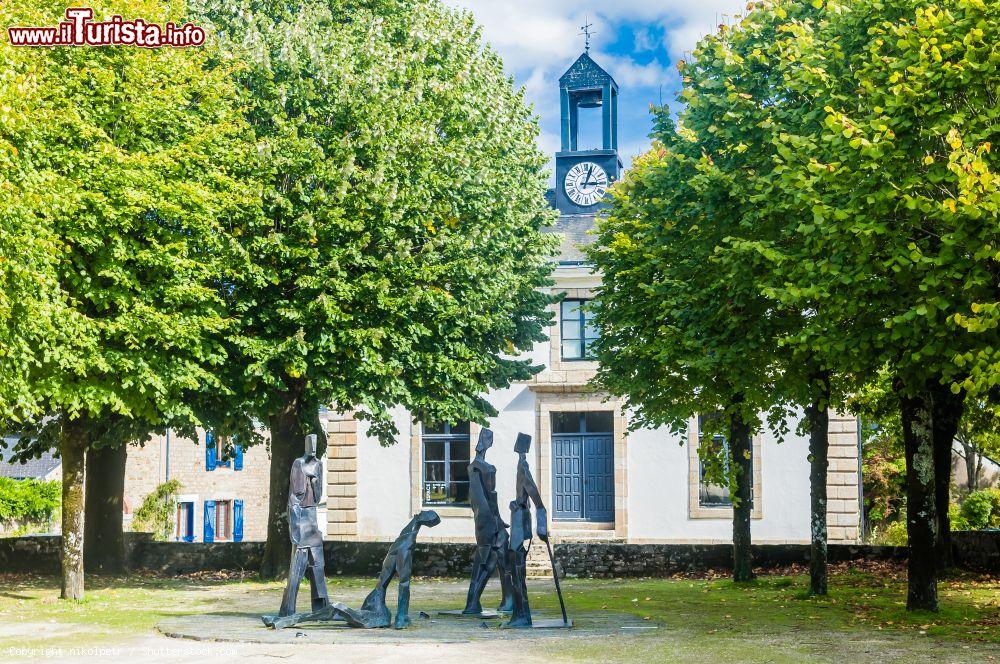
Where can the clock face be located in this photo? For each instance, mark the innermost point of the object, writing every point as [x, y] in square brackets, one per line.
[586, 183]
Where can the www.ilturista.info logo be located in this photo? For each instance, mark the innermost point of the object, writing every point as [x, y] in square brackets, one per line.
[79, 29]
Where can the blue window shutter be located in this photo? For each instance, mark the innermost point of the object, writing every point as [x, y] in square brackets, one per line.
[237, 520]
[210, 457]
[209, 521]
[189, 530]
[238, 461]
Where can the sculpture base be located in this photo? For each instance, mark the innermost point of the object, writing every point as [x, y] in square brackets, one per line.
[459, 613]
[362, 618]
[553, 623]
[281, 622]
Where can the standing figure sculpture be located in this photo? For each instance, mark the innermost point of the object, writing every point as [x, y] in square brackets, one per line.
[491, 531]
[305, 487]
[399, 560]
[520, 531]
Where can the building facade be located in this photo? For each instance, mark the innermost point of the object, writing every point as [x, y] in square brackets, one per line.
[599, 480]
[220, 499]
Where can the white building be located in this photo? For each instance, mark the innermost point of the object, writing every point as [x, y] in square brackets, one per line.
[598, 481]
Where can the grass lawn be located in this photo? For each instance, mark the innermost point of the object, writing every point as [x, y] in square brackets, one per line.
[710, 620]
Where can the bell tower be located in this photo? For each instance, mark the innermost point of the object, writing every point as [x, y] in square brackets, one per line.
[583, 176]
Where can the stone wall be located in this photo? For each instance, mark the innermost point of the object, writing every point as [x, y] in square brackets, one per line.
[657, 560]
[978, 551]
[342, 476]
[37, 554]
[842, 507]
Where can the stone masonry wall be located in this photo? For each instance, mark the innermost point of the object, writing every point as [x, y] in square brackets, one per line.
[976, 551]
[843, 512]
[342, 476]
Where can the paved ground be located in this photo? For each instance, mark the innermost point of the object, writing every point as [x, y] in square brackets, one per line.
[238, 627]
[692, 621]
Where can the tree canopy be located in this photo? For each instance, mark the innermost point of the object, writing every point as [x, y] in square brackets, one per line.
[125, 171]
[827, 203]
[400, 253]
[404, 201]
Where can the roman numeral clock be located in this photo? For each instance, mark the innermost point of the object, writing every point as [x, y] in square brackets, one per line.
[586, 183]
[586, 165]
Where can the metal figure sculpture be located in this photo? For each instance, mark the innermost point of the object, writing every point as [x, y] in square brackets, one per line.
[304, 490]
[399, 560]
[491, 532]
[520, 531]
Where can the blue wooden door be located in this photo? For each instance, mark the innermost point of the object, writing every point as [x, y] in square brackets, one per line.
[583, 477]
[567, 477]
[599, 478]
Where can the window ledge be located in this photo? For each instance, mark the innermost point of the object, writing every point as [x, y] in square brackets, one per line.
[721, 513]
[445, 511]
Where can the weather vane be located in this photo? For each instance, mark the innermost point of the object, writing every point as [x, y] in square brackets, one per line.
[585, 30]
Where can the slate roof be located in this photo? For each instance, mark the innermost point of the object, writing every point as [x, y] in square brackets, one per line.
[35, 468]
[585, 73]
[573, 230]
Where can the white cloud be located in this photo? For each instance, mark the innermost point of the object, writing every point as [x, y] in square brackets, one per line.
[628, 73]
[539, 39]
[531, 33]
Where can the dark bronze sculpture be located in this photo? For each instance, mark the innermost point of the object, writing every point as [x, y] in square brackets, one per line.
[520, 537]
[399, 560]
[304, 490]
[491, 532]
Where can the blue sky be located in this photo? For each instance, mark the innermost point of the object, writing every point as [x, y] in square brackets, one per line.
[637, 41]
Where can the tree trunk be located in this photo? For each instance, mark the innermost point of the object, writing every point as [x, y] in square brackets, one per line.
[977, 473]
[73, 450]
[286, 445]
[921, 504]
[971, 472]
[819, 453]
[741, 451]
[947, 410]
[104, 541]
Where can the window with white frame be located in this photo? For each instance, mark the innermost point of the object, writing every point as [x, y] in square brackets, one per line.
[577, 331]
[185, 522]
[223, 520]
[445, 464]
[710, 494]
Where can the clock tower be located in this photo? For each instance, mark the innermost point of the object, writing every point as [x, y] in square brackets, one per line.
[583, 176]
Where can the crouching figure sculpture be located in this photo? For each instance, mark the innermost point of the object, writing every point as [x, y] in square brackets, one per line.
[399, 560]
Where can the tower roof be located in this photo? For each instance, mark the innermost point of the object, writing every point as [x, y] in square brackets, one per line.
[585, 73]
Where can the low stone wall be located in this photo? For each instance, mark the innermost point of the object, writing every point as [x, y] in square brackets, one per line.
[600, 560]
[978, 551]
[342, 558]
[186, 557]
[36, 554]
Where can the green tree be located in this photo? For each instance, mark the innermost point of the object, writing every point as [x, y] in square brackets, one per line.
[126, 157]
[736, 104]
[979, 436]
[681, 331]
[156, 514]
[104, 484]
[720, 273]
[401, 254]
[30, 300]
[889, 175]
